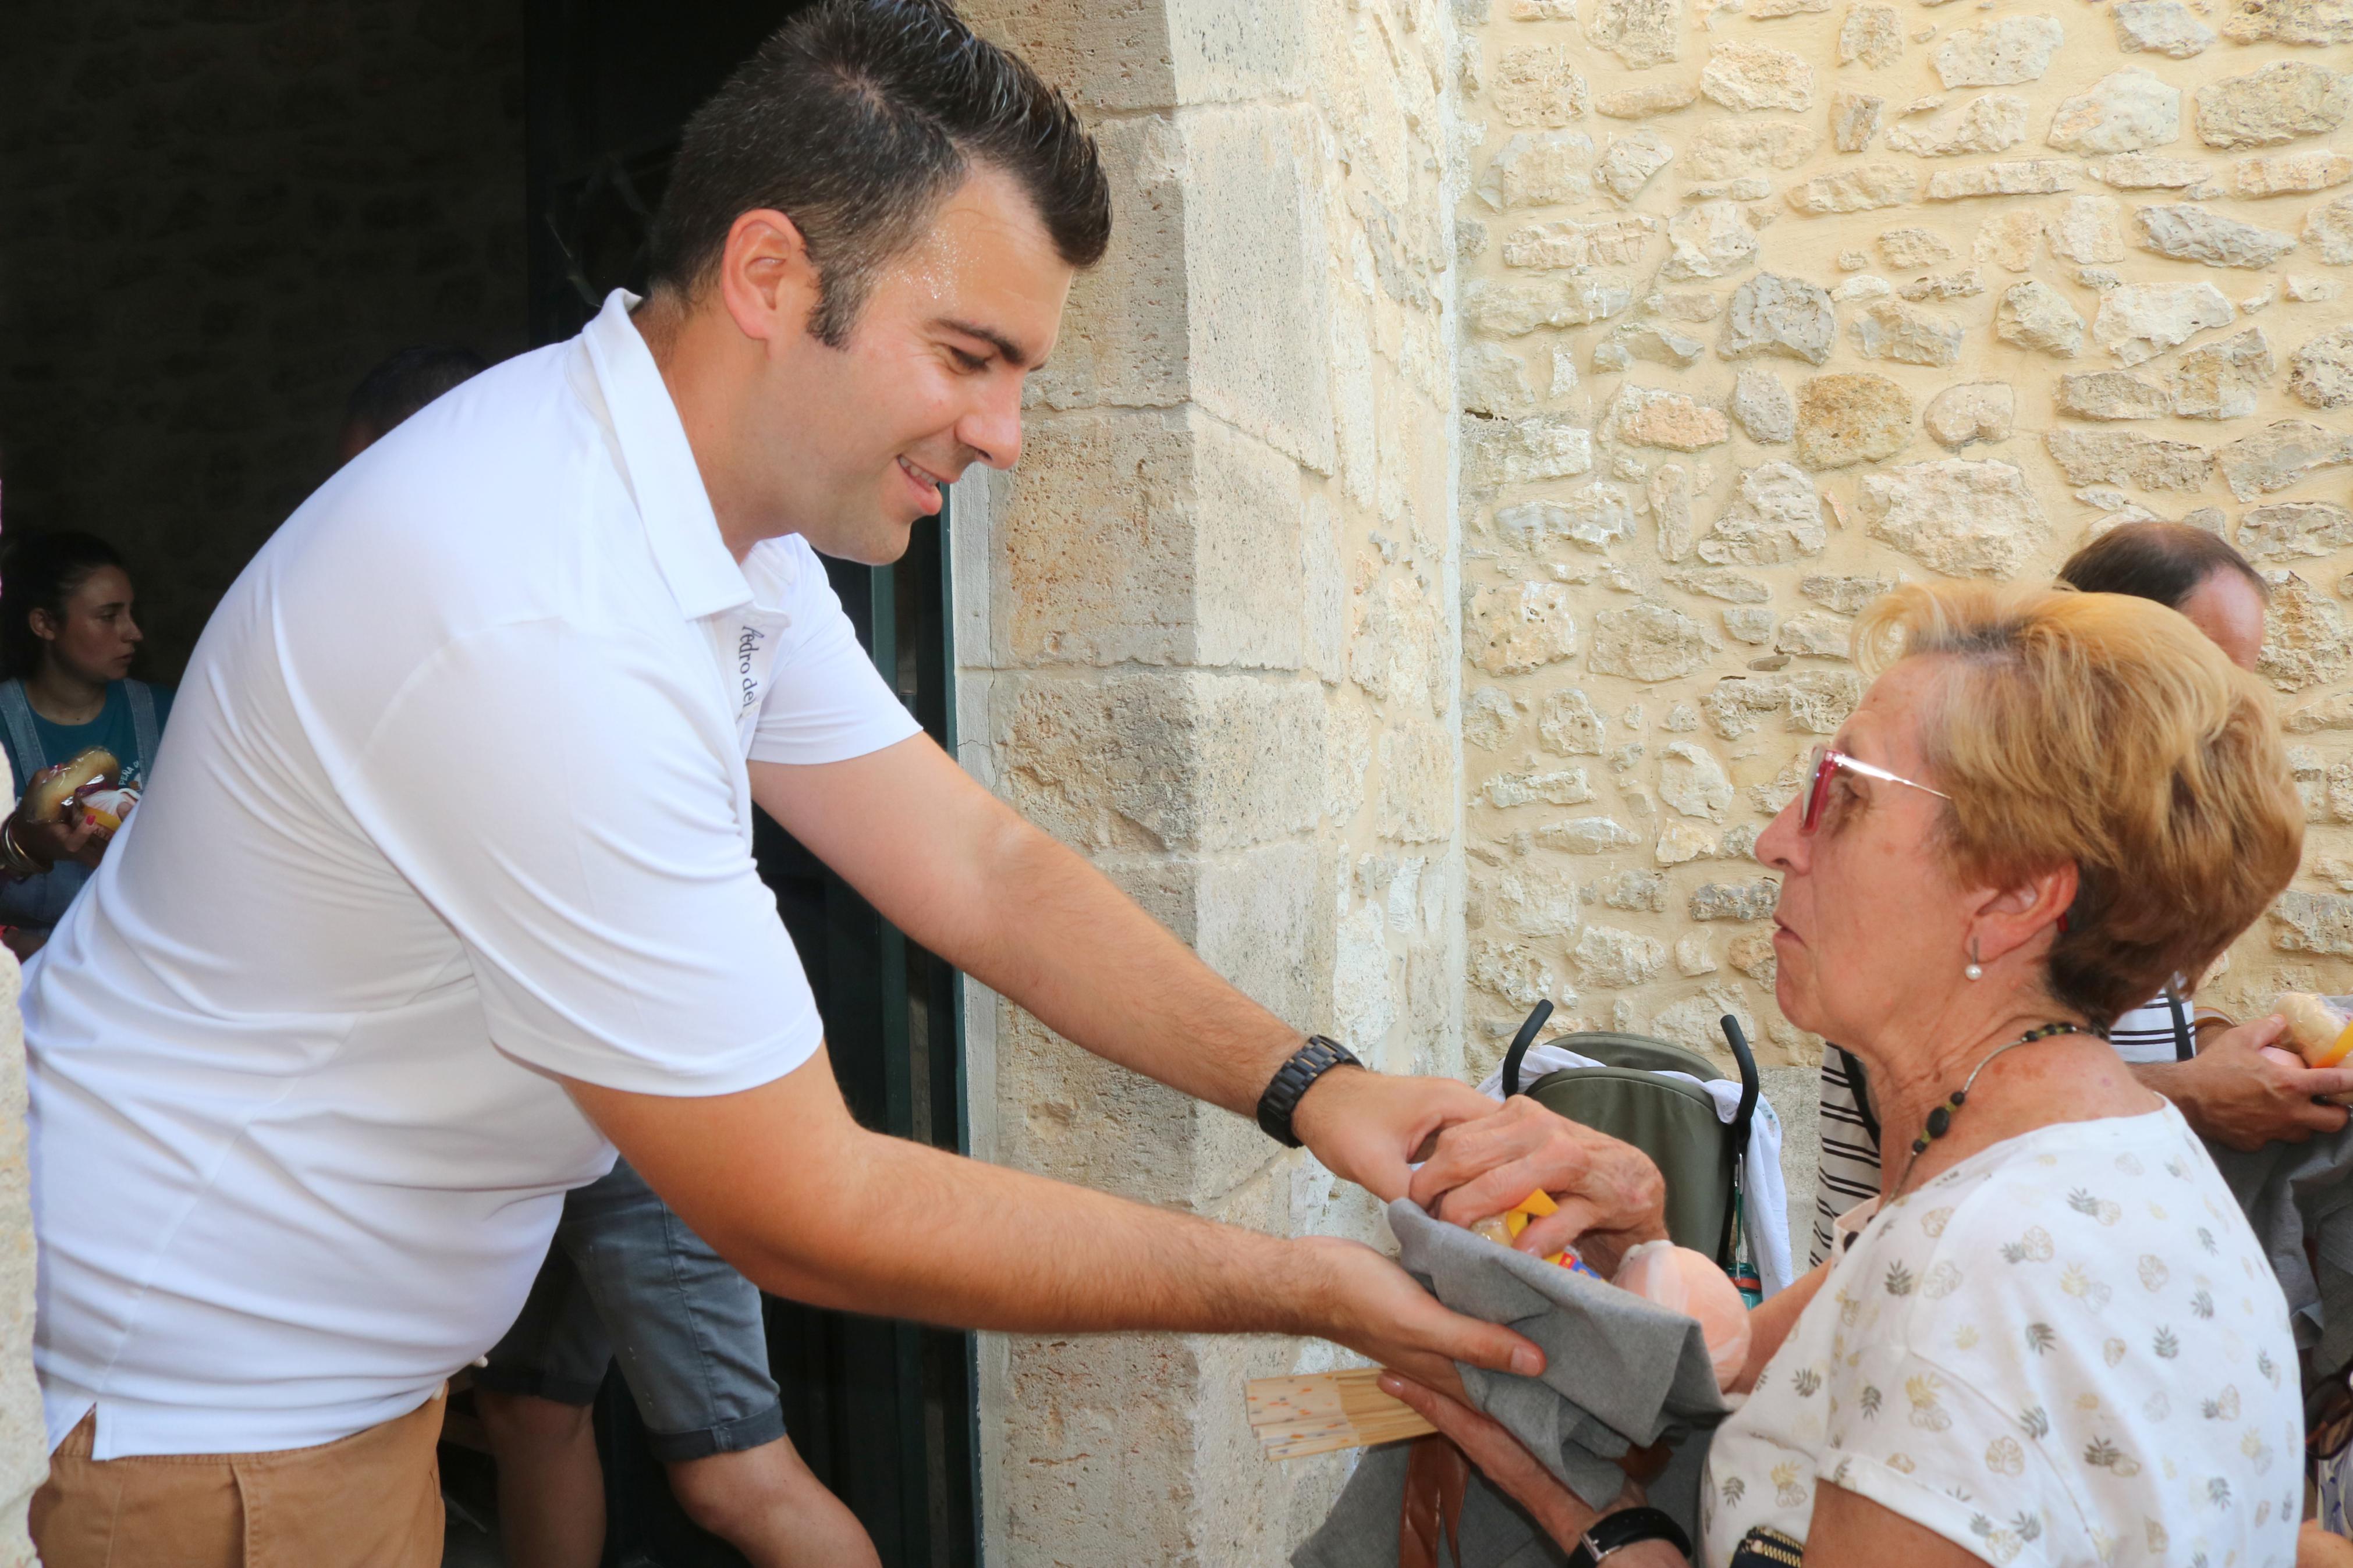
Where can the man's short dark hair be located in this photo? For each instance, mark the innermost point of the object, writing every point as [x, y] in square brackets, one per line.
[2165, 561]
[407, 382]
[856, 119]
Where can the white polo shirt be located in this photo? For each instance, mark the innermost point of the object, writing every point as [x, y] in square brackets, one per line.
[454, 800]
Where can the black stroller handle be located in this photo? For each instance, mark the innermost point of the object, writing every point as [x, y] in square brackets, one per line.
[1736, 1132]
[1520, 1044]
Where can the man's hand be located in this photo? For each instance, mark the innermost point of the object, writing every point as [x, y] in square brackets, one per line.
[1521, 1476]
[1371, 1127]
[1610, 1195]
[2231, 1094]
[1377, 1309]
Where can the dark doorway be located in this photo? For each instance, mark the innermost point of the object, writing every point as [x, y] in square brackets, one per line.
[883, 1412]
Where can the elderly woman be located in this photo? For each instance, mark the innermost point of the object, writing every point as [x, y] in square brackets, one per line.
[2053, 1338]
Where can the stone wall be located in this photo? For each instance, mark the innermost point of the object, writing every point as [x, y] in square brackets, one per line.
[1769, 305]
[218, 217]
[1208, 635]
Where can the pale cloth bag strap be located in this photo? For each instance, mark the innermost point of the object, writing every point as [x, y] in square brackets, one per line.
[145, 731]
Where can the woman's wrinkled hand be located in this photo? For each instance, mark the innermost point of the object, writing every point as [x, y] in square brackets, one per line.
[1610, 1195]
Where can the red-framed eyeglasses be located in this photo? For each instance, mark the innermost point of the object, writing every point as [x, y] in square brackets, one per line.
[1828, 762]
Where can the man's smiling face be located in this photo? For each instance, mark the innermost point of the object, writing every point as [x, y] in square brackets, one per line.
[929, 380]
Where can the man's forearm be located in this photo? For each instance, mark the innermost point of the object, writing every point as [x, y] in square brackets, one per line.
[1028, 918]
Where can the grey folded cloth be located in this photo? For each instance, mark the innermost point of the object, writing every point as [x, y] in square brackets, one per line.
[1619, 1373]
[2291, 1191]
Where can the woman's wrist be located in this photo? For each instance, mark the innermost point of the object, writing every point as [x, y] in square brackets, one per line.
[19, 863]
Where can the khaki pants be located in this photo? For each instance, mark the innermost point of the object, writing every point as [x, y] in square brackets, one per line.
[370, 1500]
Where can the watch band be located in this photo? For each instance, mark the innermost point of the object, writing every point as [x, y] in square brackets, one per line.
[1613, 1532]
[1308, 1063]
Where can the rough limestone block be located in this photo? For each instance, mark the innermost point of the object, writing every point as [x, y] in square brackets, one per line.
[1641, 33]
[1763, 406]
[1872, 34]
[1890, 330]
[2112, 395]
[2279, 455]
[1752, 900]
[1593, 517]
[1513, 628]
[2124, 111]
[1522, 451]
[2187, 233]
[2124, 457]
[1751, 624]
[1998, 54]
[2149, 171]
[2034, 315]
[2159, 27]
[1849, 418]
[1786, 316]
[1648, 642]
[1490, 719]
[1906, 248]
[1631, 341]
[2222, 381]
[1729, 148]
[1711, 239]
[1854, 190]
[1539, 169]
[1162, 760]
[1992, 123]
[1734, 587]
[2295, 528]
[1612, 959]
[2306, 640]
[1650, 417]
[2313, 922]
[2088, 230]
[2329, 231]
[1972, 411]
[1812, 634]
[2290, 22]
[1537, 84]
[1651, 98]
[1963, 285]
[1513, 309]
[1491, 379]
[2288, 173]
[1630, 162]
[1757, 76]
[2010, 178]
[1775, 516]
[1568, 725]
[2138, 321]
[2277, 102]
[1843, 594]
[1855, 120]
[1960, 518]
[2320, 373]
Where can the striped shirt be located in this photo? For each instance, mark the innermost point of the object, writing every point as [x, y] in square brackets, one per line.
[1849, 1162]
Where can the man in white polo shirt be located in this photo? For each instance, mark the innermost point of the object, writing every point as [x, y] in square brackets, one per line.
[444, 888]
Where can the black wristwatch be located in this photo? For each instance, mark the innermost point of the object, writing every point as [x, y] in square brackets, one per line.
[1613, 1532]
[1308, 1063]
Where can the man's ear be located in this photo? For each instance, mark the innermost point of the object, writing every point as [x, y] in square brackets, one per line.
[767, 283]
[2010, 918]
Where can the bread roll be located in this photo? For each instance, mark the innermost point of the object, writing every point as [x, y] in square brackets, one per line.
[45, 796]
[2321, 1034]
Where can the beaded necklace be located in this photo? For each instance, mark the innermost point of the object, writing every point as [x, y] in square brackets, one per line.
[1940, 1120]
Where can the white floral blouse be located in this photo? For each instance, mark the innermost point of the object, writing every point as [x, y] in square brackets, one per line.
[2065, 1350]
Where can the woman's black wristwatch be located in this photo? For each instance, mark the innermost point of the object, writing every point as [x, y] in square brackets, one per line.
[1613, 1532]
[1308, 1063]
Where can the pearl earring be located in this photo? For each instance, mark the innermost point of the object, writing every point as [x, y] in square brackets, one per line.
[1975, 971]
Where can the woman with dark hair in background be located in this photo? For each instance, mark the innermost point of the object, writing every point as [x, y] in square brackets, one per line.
[67, 641]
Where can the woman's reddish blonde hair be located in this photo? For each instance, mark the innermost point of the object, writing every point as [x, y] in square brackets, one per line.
[2106, 732]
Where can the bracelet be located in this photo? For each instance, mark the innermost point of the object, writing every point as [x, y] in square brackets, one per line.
[1293, 1080]
[1613, 1532]
[14, 857]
